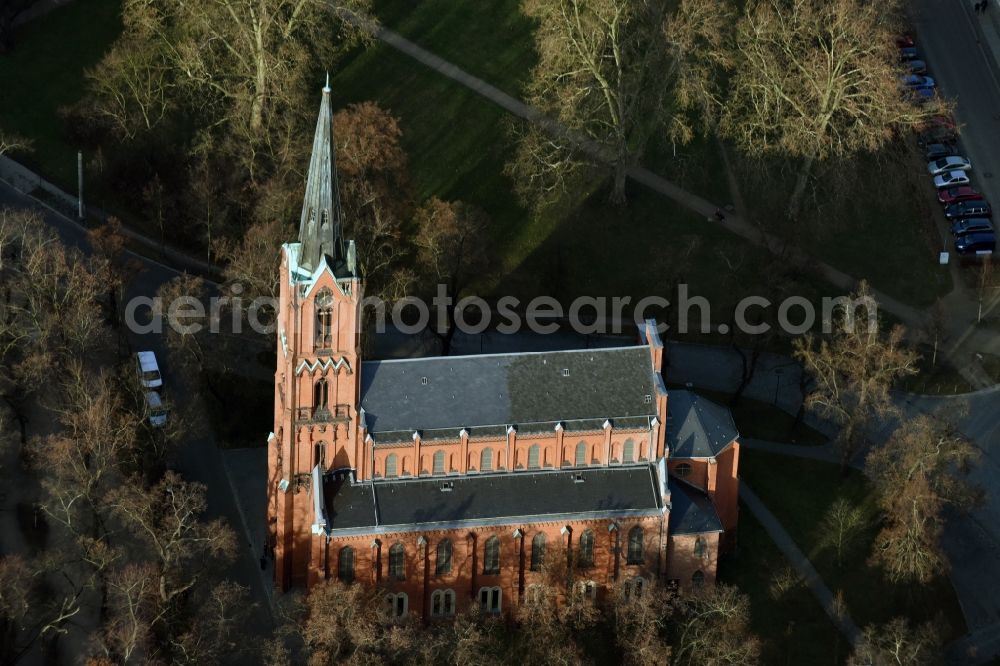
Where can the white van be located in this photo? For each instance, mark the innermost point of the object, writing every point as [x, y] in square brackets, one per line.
[155, 409]
[149, 370]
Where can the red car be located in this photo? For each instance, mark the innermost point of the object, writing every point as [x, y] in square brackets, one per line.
[934, 123]
[951, 195]
[904, 40]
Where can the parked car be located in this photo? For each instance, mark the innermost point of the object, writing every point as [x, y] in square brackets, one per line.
[934, 122]
[971, 225]
[904, 40]
[950, 163]
[975, 243]
[962, 193]
[149, 370]
[960, 209]
[917, 81]
[908, 53]
[936, 135]
[156, 412]
[951, 178]
[917, 66]
[936, 151]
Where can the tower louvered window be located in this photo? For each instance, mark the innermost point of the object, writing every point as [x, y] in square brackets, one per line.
[324, 319]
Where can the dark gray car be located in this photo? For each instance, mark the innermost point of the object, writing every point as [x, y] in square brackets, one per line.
[971, 225]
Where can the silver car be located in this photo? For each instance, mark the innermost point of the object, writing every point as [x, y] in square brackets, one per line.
[950, 179]
[949, 163]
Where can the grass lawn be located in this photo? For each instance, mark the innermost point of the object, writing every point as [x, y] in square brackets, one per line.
[762, 420]
[45, 72]
[874, 225]
[799, 492]
[871, 218]
[791, 624]
[458, 143]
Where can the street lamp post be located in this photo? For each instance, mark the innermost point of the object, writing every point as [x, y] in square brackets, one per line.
[777, 384]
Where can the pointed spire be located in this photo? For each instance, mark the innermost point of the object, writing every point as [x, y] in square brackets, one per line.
[320, 226]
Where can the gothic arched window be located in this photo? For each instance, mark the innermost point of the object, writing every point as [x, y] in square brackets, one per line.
[585, 557]
[438, 463]
[533, 456]
[491, 557]
[443, 564]
[486, 460]
[391, 468]
[699, 547]
[397, 562]
[345, 565]
[698, 578]
[538, 552]
[581, 454]
[628, 453]
[635, 545]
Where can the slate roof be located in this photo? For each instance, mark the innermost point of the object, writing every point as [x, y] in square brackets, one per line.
[691, 510]
[417, 504]
[533, 390]
[696, 426]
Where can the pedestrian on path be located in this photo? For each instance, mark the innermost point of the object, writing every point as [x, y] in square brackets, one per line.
[975, 7]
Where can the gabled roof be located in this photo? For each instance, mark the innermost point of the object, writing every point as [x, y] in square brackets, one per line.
[696, 426]
[524, 389]
[474, 500]
[691, 510]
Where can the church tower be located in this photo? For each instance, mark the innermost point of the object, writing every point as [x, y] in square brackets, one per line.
[317, 381]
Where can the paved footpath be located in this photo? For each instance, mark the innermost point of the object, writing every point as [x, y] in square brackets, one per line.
[801, 564]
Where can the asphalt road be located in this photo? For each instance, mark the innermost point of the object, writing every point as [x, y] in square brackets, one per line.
[948, 36]
[948, 40]
[198, 458]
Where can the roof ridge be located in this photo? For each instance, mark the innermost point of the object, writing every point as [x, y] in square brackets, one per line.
[497, 354]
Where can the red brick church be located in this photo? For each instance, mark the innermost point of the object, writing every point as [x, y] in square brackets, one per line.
[445, 480]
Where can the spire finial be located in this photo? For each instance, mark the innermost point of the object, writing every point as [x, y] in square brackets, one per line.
[320, 226]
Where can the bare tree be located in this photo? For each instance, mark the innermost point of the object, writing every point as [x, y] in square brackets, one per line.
[639, 623]
[236, 64]
[133, 86]
[167, 518]
[917, 474]
[377, 194]
[819, 79]
[897, 643]
[612, 73]
[842, 526]
[81, 463]
[12, 143]
[453, 247]
[854, 369]
[712, 629]
[252, 261]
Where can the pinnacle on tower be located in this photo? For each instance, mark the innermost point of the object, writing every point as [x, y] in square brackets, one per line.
[320, 226]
